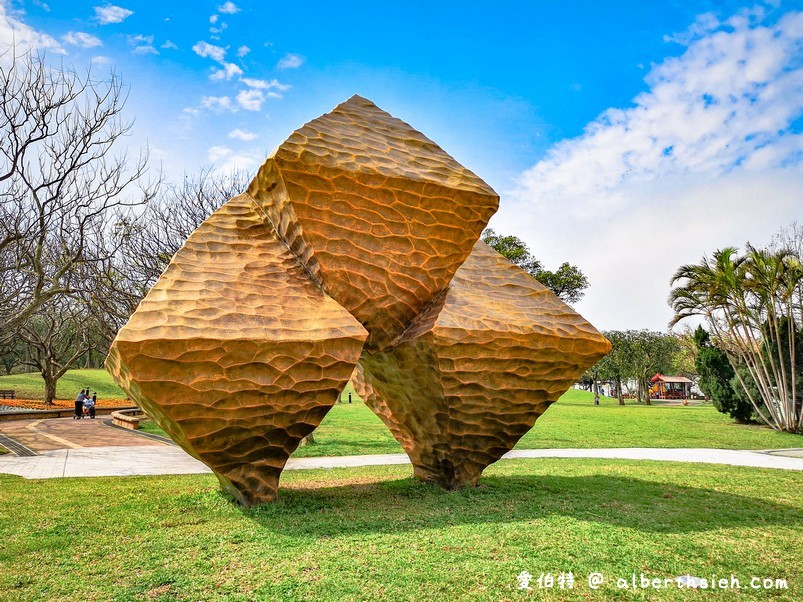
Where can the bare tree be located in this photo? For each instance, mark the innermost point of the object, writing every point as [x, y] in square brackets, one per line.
[60, 184]
[56, 337]
[147, 241]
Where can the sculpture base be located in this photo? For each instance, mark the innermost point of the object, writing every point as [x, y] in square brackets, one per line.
[448, 476]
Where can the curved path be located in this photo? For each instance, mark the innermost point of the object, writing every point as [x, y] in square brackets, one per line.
[88, 448]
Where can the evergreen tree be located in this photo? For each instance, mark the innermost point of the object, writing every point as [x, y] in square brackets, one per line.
[716, 376]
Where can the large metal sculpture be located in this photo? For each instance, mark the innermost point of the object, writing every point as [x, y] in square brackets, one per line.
[353, 253]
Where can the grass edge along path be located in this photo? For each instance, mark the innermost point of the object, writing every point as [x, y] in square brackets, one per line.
[375, 533]
[572, 422]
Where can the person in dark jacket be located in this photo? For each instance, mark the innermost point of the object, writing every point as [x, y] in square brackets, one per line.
[79, 406]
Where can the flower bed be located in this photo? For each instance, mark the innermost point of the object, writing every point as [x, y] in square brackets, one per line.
[58, 404]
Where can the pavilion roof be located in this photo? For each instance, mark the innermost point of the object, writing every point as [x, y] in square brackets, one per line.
[669, 379]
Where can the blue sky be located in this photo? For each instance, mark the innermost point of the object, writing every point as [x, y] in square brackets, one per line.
[626, 137]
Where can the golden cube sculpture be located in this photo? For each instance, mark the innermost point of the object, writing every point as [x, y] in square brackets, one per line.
[353, 251]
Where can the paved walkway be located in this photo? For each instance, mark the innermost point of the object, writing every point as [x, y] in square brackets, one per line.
[89, 448]
[51, 434]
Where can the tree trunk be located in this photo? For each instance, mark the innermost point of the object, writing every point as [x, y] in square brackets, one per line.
[596, 393]
[646, 393]
[309, 439]
[641, 394]
[50, 388]
[619, 394]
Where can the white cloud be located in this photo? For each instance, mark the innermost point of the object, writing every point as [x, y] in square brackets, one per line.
[261, 84]
[242, 51]
[255, 83]
[14, 32]
[168, 45]
[205, 49]
[244, 135]
[145, 50]
[229, 70]
[217, 103]
[706, 157]
[213, 19]
[79, 38]
[227, 161]
[140, 39]
[111, 14]
[229, 8]
[143, 43]
[251, 100]
[702, 26]
[290, 61]
[216, 153]
[218, 30]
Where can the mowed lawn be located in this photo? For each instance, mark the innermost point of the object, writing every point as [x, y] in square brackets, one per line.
[30, 386]
[352, 429]
[574, 421]
[377, 534]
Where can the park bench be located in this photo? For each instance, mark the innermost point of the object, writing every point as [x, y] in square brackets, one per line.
[7, 393]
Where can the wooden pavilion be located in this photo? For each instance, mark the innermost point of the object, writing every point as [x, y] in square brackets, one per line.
[670, 387]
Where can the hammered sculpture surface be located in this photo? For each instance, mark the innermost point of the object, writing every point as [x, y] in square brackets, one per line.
[354, 253]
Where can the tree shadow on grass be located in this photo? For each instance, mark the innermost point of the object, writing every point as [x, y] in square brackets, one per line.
[401, 505]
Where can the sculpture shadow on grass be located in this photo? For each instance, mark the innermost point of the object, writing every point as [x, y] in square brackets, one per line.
[403, 505]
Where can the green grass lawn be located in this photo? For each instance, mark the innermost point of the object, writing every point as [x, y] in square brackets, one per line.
[30, 386]
[149, 426]
[572, 422]
[376, 534]
[351, 429]
[575, 422]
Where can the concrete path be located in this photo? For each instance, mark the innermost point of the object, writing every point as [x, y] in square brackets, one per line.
[63, 447]
[168, 459]
[50, 434]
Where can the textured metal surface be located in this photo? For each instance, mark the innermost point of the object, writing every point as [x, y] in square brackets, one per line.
[475, 371]
[356, 241]
[380, 213]
[235, 352]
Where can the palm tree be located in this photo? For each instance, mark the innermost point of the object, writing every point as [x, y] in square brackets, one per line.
[753, 305]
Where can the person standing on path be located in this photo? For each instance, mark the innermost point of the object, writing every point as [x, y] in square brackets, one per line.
[79, 406]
